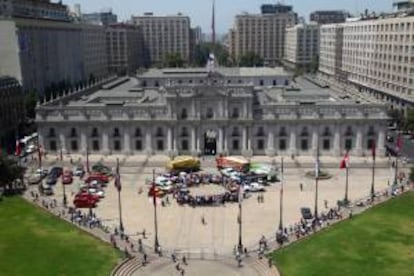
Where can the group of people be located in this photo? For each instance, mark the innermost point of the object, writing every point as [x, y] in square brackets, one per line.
[177, 263]
[84, 219]
[207, 200]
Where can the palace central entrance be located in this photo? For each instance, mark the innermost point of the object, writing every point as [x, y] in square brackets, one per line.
[210, 142]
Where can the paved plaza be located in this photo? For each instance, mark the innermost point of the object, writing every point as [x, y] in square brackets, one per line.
[180, 227]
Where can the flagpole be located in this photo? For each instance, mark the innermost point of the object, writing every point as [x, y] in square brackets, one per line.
[316, 182]
[396, 171]
[121, 225]
[346, 184]
[87, 157]
[240, 246]
[156, 243]
[373, 174]
[281, 198]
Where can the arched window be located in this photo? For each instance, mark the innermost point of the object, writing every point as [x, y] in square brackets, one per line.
[116, 132]
[95, 132]
[235, 132]
[304, 132]
[184, 113]
[138, 132]
[73, 132]
[159, 132]
[184, 132]
[260, 132]
[209, 113]
[52, 132]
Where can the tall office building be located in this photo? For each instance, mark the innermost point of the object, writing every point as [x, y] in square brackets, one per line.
[12, 111]
[329, 16]
[376, 56]
[100, 18]
[125, 50]
[38, 9]
[302, 46]
[164, 35]
[95, 55]
[263, 34]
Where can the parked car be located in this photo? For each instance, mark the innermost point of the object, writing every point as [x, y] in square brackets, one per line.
[85, 200]
[96, 191]
[253, 187]
[67, 179]
[45, 189]
[98, 177]
[306, 213]
[79, 171]
[51, 180]
[35, 179]
[42, 172]
[56, 171]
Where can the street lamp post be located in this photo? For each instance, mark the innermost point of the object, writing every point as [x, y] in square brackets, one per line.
[240, 245]
[154, 197]
[281, 197]
[346, 199]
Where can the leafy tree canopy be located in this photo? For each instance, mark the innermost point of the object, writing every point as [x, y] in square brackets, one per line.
[250, 59]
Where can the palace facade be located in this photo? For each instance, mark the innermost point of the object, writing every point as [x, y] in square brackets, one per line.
[235, 111]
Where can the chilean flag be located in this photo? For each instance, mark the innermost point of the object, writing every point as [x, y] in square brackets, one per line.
[399, 143]
[18, 150]
[345, 161]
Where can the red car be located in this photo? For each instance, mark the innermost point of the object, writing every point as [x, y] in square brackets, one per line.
[97, 177]
[84, 202]
[84, 193]
[67, 179]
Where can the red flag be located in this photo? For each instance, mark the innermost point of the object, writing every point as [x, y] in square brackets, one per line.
[345, 161]
[118, 177]
[373, 149]
[399, 143]
[18, 150]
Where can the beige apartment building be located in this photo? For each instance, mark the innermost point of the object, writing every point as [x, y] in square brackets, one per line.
[302, 46]
[38, 9]
[263, 34]
[377, 57]
[164, 35]
[124, 48]
[43, 53]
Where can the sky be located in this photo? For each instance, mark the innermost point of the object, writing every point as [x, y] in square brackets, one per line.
[200, 10]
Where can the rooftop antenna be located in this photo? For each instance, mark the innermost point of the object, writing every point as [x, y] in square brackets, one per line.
[213, 25]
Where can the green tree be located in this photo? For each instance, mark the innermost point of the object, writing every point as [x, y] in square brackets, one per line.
[173, 60]
[250, 59]
[204, 49]
[411, 176]
[409, 120]
[10, 171]
[30, 101]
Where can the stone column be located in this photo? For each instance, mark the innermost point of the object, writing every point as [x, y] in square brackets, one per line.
[292, 142]
[220, 141]
[169, 140]
[148, 141]
[62, 142]
[270, 151]
[127, 141]
[244, 139]
[198, 133]
[247, 147]
[315, 140]
[358, 144]
[381, 142]
[84, 141]
[225, 141]
[105, 142]
[337, 142]
[193, 141]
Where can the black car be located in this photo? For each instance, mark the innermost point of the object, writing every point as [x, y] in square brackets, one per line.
[51, 180]
[56, 172]
[306, 213]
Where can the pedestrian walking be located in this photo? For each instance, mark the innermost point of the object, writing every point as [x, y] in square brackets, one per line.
[301, 187]
[203, 220]
[173, 257]
[143, 234]
[185, 260]
[326, 204]
[269, 261]
[182, 272]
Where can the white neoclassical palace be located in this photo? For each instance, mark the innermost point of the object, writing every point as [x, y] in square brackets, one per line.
[235, 111]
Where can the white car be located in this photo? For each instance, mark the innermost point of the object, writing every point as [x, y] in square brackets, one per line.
[253, 187]
[162, 181]
[30, 149]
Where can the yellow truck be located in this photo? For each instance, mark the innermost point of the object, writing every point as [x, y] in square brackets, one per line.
[184, 163]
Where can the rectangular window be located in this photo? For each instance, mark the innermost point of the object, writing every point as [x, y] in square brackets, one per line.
[52, 145]
[304, 144]
[370, 142]
[184, 144]
[326, 144]
[117, 145]
[74, 145]
[160, 145]
[138, 145]
[260, 144]
[282, 144]
[95, 145]
[235, 144]
[348, 144]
